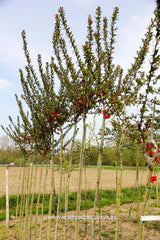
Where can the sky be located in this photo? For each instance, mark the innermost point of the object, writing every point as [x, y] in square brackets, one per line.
[37, 17]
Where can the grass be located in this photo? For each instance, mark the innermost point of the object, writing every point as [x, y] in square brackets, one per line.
[5, 233]
[103, 167]
[106, 198]
[114, 168]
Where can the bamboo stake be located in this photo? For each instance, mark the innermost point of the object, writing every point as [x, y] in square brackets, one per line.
[29, 198]
[80, 177]
[52, 193]
[7, 199]
[117, 208]
[44, 189]
[38, 204]
[50, 201]
[26, 207]
[31, 205]
[60, 188]
[22, 204]
[24, 224]
[119, 186]
[137, 181]
[18, 194]
[85, 177]
[99, 162]
[68, 178]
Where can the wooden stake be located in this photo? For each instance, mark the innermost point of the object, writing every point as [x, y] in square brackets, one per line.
[7, 200]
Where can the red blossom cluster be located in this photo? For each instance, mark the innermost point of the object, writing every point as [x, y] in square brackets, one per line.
[106, 115]
[153, 179]
[104, 112]
[139, 125]
[149, 149]
[83, 103]
[144, 130]
[149, 146]
[53, 118]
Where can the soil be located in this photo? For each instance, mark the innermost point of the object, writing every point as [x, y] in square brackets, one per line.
[108, 179]
[128, 227]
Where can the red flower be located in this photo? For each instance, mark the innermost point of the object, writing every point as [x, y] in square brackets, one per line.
[153, 179]
[99, 110]
[144, 130]
[40, 136]
[45, 154]
[149, 125]
[158, 159]
[139, 125]
[53, 114]
[106, 115]
[84, 102]
[151, 153]
[149, 146]
[76, 103]
[138, 140]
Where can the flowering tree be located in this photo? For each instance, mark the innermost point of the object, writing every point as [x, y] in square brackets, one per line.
[89, 84]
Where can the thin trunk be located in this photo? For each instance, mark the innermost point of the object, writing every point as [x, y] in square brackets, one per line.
[60, 188]
[38, 204]
[44, 190]
[119, 186]
[53, 192]
[80, 177]
[99, 162]
[18, 197]
[31, 205]
[68, 178]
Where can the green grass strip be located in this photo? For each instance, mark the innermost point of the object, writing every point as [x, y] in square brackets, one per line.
[106, 198]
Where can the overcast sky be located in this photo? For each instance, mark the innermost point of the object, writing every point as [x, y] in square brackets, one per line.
[37, 18]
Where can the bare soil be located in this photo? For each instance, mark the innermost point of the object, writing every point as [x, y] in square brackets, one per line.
[17, 178]
[128, 227]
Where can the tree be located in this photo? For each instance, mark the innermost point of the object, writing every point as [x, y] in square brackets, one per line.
[91, 84]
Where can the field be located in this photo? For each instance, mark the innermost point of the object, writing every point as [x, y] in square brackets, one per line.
[108, 179]
[128, 225]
